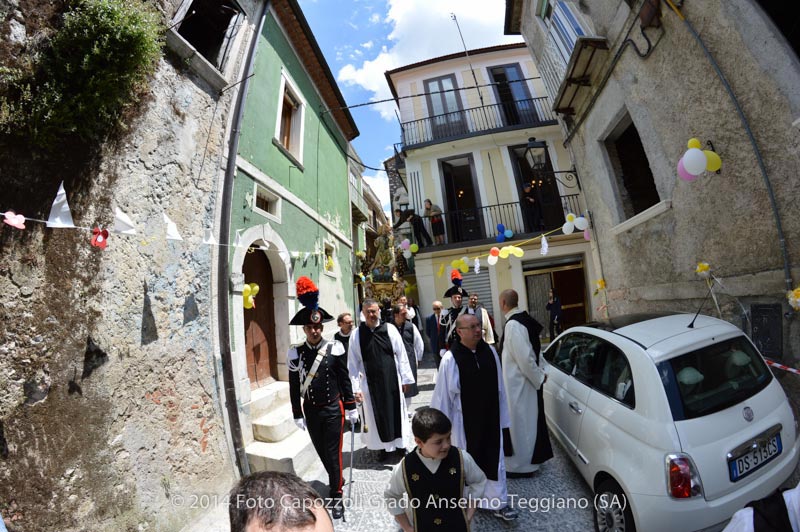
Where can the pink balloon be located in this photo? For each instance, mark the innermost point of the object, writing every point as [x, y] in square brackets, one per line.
[586, 234]
[683, 174]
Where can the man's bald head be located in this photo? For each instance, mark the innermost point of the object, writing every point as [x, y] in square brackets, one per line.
[509, 299]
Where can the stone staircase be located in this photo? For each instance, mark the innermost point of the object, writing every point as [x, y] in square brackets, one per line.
[278, 444]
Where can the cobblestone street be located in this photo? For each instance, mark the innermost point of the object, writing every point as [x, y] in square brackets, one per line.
[556, 498]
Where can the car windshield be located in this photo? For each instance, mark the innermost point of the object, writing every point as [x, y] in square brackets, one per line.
[713, 378]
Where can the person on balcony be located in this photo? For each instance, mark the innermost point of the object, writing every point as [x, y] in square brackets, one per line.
[420, 233]
[532, 208]
[434, 214]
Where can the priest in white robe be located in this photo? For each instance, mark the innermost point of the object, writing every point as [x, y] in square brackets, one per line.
[527, 442]
[470, 391]
[380, 373]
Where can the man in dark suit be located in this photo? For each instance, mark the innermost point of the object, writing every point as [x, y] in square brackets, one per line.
[435, 332]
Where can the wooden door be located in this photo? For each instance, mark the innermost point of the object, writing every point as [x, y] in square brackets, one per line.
[570, 286]
[259, 322]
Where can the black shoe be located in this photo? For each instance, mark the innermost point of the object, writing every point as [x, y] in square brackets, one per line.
[338, 511]
[510, 474]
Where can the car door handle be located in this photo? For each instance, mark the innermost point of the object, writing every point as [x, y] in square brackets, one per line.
[575, 408]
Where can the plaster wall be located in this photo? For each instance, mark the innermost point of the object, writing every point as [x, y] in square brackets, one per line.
[727, 219]
[122, 433]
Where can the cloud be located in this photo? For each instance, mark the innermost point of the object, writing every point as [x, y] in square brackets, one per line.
[374, 18]
[422, 30]
[379, 184]
[368, 45]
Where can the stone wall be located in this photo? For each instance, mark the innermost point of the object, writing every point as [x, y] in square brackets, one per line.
[670, 96]
[110, 417]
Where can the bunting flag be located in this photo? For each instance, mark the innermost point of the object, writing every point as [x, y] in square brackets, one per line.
[545, 246]
[208, 238]
[60, 216]
[123, 224]
[477, 266]
[172, 229]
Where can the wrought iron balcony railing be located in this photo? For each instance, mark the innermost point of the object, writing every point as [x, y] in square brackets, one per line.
[533, 112]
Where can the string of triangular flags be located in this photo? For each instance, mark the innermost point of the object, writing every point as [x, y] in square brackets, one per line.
[60, 217]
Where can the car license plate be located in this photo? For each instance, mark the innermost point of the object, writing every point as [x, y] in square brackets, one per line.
[742, 466]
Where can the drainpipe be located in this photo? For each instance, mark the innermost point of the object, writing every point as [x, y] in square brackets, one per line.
[223, 268]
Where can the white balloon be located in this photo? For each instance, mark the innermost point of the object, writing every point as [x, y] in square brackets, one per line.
[407, 254]
[492, 260]
[694, 161]
[568, 228]
[581, 223]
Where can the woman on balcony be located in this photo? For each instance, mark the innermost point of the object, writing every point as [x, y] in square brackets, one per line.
[434, 214]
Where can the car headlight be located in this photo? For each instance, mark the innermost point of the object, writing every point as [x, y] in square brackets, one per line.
[683, 480]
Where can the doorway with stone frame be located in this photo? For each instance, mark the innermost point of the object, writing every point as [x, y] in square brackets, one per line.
[569, 283]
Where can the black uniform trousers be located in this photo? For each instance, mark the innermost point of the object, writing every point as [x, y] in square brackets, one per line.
[326, 427]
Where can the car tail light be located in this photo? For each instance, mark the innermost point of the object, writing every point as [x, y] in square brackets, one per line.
[683, 480]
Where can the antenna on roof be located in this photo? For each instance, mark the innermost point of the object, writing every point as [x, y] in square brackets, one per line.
[691, 325]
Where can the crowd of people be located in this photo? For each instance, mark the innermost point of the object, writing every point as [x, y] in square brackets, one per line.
[482, 426]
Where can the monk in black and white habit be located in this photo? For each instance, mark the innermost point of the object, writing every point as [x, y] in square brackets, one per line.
[380, 373]
[470, 391]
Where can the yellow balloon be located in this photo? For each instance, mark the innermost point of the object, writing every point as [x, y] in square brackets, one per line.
[464, 268]
[246, 291]
[455, 263]
[253, 289]
[570, 217]
[441, 271]
[504, 253]
[248, 302]
[694, 143]
[713, 161]
[517, 252]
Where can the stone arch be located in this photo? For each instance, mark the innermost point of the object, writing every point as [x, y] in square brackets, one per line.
[283, 290]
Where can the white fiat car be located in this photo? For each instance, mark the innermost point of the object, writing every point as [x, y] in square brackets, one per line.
[675, 422]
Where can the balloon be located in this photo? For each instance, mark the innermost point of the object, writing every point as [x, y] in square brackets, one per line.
[508, 233]
[465, 259]
[246, 291]
[586, 235]
[253, 289]
[407, 254]
[571, 218]
[454, 264]
[713, 161]
[694, 161]
[501, 237]
[414, 248]
[501, 228]
[568, 228]
[683, 174]
[581, 223]
[517, 252]
[694, 143]
[464, 267]
[495, 251]
[492, 259]
[405, 244]
[504, 253]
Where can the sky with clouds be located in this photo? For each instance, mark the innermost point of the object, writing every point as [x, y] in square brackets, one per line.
[362, 39]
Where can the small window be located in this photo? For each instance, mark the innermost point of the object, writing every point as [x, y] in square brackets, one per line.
[635, 183]
[330, 264]
[289, 131]
[267, 203]
[210, 27]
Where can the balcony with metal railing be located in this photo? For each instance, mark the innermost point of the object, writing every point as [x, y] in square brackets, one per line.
[471, 226]
[533, 112]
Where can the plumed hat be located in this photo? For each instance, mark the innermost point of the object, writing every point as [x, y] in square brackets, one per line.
[311, 313]
[455, 278]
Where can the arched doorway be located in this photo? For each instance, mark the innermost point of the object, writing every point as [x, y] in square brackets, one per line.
[259, 322]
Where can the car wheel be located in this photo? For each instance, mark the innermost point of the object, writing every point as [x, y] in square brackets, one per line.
[612, 511]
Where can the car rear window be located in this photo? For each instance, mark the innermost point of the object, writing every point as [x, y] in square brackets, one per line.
[713, 378]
